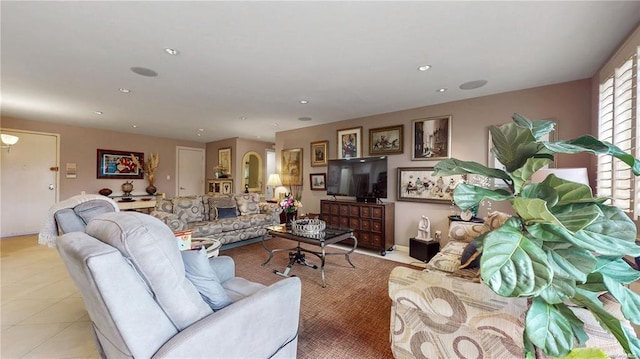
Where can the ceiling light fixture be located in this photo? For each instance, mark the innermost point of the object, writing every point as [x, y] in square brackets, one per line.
[473, 84]
[8, 141]
[134, 126]
[441, 90]
[243, 118]
[201, 129]
[124, 90]
[424, 67]
[98, 112]
[304, 102]
[172, 52]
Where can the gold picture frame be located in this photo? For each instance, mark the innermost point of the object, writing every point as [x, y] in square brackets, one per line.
[318, 154]
[291, 167]
[224, 160]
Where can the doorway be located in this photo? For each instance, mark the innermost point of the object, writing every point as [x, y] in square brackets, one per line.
[28, 182]
[190, 171]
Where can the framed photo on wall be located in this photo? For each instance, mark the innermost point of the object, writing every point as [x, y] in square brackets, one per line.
[291, 167]
[119, 164]
[386, 140]
[319, 153]
[318, 181]
[417, 184]
[224, 160]
[431, 138]
[350, 142]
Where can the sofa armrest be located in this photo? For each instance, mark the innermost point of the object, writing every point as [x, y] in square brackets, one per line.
[171, 220]
[270, 208]
[268, 318]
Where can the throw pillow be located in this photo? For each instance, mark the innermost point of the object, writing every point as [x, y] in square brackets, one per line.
[248, 203]
[189, 209]
[466, 260]
[219, 202]
[225, 212]
[200, 273]
[444, 262]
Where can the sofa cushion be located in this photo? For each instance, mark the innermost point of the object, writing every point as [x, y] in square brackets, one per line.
[200, 273]
[189, 209]
[151, 248]
[88, 210]
[68, 221]
[444, 262]
[248, 203]
[222, 212]
[220, 202]
[164, 205]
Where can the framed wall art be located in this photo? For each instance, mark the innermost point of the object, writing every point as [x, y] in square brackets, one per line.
[431, 138]
[318, 181]
[224, 161]
[291, 167]
[417, 184]
[319, 153]
[350, 143]
[386, 140]
[119, 164]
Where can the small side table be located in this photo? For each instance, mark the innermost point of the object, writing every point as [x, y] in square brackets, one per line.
[423, 250]
[212, 246]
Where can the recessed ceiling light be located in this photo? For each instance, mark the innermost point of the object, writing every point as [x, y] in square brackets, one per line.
[199, 134]
[304, 102]
[171, 51]
[201, 129]
[134, 126]
[441, 90]
[143, 71]
[424, 67]
[304, 118]
[124, 90]
[275, 124]
[243, 117]
[98, 112]
[473, 84]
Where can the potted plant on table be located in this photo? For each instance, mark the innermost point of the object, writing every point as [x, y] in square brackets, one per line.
[290, 205]
[562, 245]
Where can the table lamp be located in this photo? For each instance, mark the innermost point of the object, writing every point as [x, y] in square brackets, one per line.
[275, 182]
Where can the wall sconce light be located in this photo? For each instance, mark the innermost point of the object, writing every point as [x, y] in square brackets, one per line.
[8, 141]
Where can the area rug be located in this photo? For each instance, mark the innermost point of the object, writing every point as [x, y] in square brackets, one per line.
[349, 318]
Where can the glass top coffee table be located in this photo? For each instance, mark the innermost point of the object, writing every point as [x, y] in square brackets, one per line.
[330, 235]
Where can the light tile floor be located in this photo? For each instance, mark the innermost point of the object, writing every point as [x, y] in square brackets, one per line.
[41, 310]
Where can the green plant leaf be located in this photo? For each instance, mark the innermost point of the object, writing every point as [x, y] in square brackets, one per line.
[454, 166]
[569, 261]
[541, 191]
[591, 144]
[559, 290]
[534, 210]
[538, 128]
[548, 329]
[629, 301]
[467, 196]
[594, 283]
[616, 268]
[587, 353]
[576, 324]
[522, 174]
[511, 264]
[512, 145]
[575, 217]
[571, 192]
[629, 342]
[613, 234]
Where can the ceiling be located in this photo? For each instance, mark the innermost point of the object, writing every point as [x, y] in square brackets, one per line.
[244, 67]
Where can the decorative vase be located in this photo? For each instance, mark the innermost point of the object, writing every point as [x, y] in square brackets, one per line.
[105, 191]
[151, 189]
[291, 216]
[127, 188]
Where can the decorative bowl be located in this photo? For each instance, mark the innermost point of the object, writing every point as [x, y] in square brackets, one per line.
[105, 191]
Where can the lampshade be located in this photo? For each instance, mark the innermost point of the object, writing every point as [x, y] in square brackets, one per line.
[274, 180]
[578, 175]
[9, 140]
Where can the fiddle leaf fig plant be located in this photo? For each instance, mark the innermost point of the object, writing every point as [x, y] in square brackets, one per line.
[562, 246]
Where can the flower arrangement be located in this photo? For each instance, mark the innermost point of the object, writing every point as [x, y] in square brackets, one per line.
[290, 204]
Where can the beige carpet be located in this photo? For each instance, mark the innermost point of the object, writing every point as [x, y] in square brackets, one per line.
[347, 319]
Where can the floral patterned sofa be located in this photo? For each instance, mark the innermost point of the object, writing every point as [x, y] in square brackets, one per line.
[227, 218]
[446, 312]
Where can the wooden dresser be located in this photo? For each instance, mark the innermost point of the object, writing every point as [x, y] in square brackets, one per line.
[373, 223]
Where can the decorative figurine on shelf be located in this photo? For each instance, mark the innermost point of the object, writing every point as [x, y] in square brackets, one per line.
[127, 188]
[424, 229]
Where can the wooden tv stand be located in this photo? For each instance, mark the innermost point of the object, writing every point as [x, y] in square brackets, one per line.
[372, 223]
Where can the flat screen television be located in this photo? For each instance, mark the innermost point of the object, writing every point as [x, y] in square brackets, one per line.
[364, 178]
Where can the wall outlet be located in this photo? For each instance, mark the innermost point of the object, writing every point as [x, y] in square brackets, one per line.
[168, 177]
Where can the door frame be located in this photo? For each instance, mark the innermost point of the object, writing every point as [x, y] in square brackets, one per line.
[204, 167]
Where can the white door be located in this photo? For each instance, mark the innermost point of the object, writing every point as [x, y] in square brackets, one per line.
[190, 175]
[28, 182]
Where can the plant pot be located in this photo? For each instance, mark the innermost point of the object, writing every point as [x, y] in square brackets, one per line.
[290, 216]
